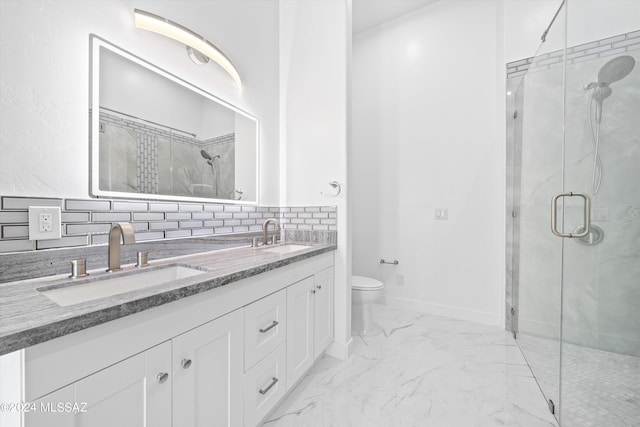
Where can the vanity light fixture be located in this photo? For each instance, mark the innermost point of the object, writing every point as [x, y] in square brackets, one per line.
[200, 49]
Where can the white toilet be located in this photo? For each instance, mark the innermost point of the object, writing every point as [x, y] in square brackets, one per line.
[364, 292]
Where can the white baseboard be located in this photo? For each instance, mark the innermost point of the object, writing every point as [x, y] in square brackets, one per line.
[342, 351]
[443, 310]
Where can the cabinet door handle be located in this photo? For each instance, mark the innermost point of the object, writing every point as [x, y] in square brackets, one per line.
[163, 377]
[313, 291]
[266, 390]
[319, 286]
[268, 328]
[186, 363]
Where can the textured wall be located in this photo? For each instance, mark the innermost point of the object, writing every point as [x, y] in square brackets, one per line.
[88, 221]
[44, 144]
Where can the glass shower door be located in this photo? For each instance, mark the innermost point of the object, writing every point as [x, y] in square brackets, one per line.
[600, 371]
[576, 136]
[538, 176]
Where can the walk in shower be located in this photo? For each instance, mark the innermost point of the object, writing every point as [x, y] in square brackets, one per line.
[573, 200]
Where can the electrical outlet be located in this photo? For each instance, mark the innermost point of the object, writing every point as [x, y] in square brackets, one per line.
[44, 222]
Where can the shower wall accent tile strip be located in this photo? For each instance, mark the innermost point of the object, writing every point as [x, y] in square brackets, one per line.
[87, 222]
[599, 49]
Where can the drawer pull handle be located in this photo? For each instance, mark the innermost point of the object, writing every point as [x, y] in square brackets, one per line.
[186, 363]
[319, 286]
[266, 390]
[268, 328]
[163, 377]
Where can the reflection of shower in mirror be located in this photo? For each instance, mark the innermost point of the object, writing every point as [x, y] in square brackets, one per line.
[214, 170]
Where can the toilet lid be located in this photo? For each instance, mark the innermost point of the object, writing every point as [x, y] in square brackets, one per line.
[365, 283]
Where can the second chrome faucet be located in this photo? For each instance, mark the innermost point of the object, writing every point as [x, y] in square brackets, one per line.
[265, 230]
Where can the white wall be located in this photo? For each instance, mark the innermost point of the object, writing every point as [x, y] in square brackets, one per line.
[44, 75]
[313, 89]
[426, 135]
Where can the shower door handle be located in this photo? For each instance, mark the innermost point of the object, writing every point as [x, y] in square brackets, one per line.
[587, 215]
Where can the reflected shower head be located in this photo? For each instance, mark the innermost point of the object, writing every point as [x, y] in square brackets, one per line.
[616, 69]
[205, 154]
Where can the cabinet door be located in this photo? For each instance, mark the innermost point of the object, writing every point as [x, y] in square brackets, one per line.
[135, 392]
[208, 366]
[323, 312]
[299, 329]
[43, 412]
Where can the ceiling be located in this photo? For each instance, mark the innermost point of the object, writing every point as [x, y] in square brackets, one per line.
[371, 13]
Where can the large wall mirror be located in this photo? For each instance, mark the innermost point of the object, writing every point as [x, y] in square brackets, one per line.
[156, 136]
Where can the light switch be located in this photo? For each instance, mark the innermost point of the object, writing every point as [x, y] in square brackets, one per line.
[442, 213]
[44, 222]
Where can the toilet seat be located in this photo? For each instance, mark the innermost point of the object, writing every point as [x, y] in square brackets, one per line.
[361, 283]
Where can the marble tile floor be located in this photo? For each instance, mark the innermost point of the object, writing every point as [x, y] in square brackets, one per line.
[599, 388]
[420, 370]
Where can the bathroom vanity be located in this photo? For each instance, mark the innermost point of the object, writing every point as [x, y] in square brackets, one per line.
[221, 347]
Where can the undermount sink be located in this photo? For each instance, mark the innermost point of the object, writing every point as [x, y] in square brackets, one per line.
[286, 249]
[74, 293]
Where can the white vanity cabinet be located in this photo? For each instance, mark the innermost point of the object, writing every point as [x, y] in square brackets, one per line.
[218, 358]
[310, 322]
[132, 393]
[193, 380]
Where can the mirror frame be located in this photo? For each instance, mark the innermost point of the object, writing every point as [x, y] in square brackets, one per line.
[95, 44]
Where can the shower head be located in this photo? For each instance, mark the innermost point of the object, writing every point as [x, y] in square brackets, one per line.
[616, 69]
[205, 154]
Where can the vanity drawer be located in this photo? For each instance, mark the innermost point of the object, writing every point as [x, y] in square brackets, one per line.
[265, 327]
[264, 385]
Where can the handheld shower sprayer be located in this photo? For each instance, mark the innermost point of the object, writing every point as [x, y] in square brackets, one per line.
[614, 70]
[215, 170]
[208, 157]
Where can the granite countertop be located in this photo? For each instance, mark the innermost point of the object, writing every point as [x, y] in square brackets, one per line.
[27, 317]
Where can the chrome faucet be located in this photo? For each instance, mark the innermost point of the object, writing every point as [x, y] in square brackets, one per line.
[265, 229]
[119, 231]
